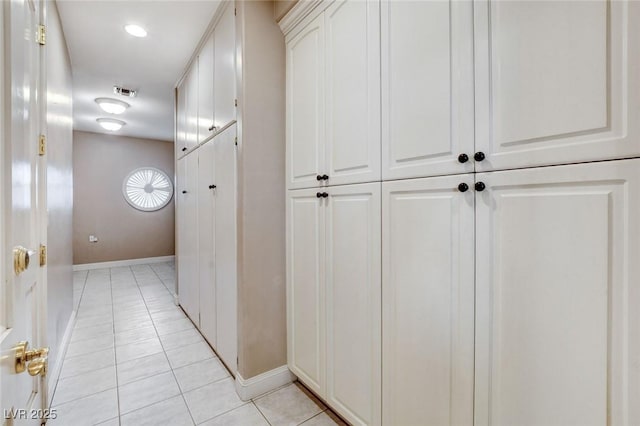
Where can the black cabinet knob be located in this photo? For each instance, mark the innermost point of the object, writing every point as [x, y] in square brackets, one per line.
[463, 187]
[479, 156]
[480, 186]
[318, 194]
[325, 177]
[184, 192]
[184, 149]
[212, 187]
[319, 177]
[325, 195]
[463, 158]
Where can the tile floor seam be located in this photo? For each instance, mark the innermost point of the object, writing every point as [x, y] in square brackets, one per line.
[245, 403]
[261, 413]
[165, 352]
[312, 417]
[115, 354]
[148, 405]
[201, 386]
[84, 396]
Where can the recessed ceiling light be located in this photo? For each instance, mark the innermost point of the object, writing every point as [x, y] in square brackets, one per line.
[135, 30]
[112, 106]
[110, 124]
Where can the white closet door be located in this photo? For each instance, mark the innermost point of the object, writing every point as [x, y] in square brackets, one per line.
[556, 81]
[181, 240]
[352, 92]
[206, 238]
[188, 288]
[225, 68]
[353, 304]
[428, 293]
[305, 287]
[558, 296]
[205, 90]
[181, 120]
[226, 248]
[427, 88]
[305, 105]
[191, 107]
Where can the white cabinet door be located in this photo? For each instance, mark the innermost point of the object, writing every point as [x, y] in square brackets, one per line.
[191, 107]
[226, 247]
[181, 119]
[305, 288]
[188, 288]
[353, 303]
[427, 88]
[556, 82]
[558, 296]
[225, 68]
[352, 75]
[428, 294]
[305, 105]
[205, 91]
[206, 238]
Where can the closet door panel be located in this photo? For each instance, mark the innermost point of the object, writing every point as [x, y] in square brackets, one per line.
[427, 88]
[205, 90]
[553, 82]
[225, 68]
[305, 288]
[181, 241]
[305, 105]
[206, 238]
[189, 289]
[353, 302]
[428, 293]
[191, 107]
[352, 92]
[558, 317]
[181, 120]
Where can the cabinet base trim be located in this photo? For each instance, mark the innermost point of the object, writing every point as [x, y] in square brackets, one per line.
[52, 379]
[117, 263]
[263, 383]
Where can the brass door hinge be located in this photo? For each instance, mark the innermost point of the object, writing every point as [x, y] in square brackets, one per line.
[42, 35]
[42, 145]
[43, 255]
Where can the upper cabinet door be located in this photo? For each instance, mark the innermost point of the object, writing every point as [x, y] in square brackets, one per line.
[225, 68]
[556, 81]
[427, 88]
[305, 105]
[205, 91]
[181, 119]
[558, 296]
[191, 107]
[352, 76]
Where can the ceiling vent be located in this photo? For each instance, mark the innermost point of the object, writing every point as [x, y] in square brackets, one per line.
[130, 93]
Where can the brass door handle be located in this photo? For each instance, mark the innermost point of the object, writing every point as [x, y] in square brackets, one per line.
[35, 360]
[21, 259]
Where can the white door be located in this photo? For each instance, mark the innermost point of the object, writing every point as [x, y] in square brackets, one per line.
[305, 106]
[427, 88]
[188, 266]
[352, 75]
[225, 68]
[353, 303]
[22, 397]
[226, 265]
[191, 107]
[305, 287]
[206, 189]
[181, 119]
[558, 296]
[428, 292]
[181, 242]
[556, 81]
[205, 91]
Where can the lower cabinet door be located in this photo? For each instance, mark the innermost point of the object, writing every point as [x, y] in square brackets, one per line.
[206, 238]
[558, 296]
[305, 217]
[353, 309]
[428, 294]
[188, 287]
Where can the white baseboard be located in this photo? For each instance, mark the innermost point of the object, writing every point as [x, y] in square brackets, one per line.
[176, 300]
[118, 263]
[54, 374]
[263, 383]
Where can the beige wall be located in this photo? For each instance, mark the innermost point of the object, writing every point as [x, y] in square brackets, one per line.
[100, 165]
[281, 7]
[59, 185]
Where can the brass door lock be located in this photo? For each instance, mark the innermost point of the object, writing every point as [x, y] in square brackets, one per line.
[21, 259]
[34, 360]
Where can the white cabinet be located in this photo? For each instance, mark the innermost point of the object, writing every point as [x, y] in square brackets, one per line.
[558, 295]
[206, 94]
[224, 40]
[428, 301]
[191, 107]
[333, 91]
[556, 82]
[427, 88]
[181, 120]
[334, 320]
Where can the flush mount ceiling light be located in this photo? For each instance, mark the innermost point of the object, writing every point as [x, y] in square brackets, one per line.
[112, 106]
[110, 124]
[135, 30]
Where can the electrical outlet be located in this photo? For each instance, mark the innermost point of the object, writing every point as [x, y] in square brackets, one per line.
[93, 239]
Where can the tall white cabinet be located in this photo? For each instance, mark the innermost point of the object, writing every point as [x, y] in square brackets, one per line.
[508, 250]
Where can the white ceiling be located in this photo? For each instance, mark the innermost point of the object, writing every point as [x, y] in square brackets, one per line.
[104, 55]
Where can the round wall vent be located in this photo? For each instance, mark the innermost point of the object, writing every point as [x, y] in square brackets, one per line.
[147, 189]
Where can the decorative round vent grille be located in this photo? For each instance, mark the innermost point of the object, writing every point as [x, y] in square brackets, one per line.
[147, 189]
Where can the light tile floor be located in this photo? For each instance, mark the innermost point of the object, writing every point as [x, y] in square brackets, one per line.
[136, 359]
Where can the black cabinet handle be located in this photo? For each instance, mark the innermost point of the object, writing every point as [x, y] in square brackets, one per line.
[463, 187]
[480, 186]
[184, 192]
[319, 177]
[325, 195]
[184, 149]
[479, 156]
[212, 128]
[318, 194]
[212, 187]
[325, 177]
[463, 158]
